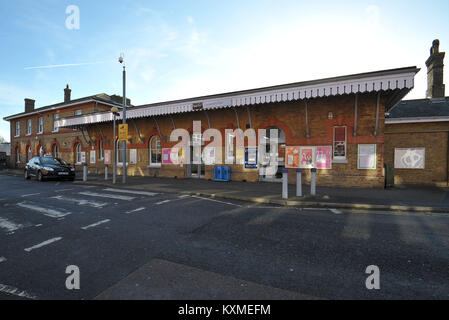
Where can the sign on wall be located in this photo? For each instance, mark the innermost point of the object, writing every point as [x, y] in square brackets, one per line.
[123, 132]
[83, 157]
[170, 155]
[324, 157]
[251, 158]
[92, 156]
[307, 157]
[132, 156]
[240, 155]
[209, 155]
[292, 157]
[409, 158]
[107, 157]
[367, 156]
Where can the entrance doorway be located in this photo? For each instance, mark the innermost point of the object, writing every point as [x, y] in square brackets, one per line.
[196, 167]
[273, 173]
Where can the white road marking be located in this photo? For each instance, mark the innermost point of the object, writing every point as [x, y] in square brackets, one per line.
[82, 202]
[2, 259]
[9, 226]
[38, 225]
[42, 244]
[143, 193]
[335, 211]
[63, 190]
[16, 292]
[46, 211]
[315, 209]
[136, 210]
[107, 195]
[162, 202]
[29, 195]
[209, 199]
[95, 224]
[184, 196]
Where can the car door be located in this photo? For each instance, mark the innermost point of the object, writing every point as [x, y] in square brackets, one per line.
[34, 166]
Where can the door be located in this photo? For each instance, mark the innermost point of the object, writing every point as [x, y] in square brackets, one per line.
[196, 167]
[272, 171]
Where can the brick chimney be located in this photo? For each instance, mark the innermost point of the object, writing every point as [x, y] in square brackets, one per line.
[29, 105]
[67, 93]
[435, 86]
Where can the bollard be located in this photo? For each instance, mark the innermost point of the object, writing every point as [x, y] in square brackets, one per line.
[298, 183]
[106, 167]
[285, 183]
[84, 172]
[313, 182]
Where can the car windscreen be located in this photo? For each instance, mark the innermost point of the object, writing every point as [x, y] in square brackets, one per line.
[64, 163]
[48, 161]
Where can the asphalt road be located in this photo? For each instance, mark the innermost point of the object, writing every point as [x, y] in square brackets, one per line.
[132, 245]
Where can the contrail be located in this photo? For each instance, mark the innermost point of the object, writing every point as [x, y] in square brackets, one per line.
[65, 65]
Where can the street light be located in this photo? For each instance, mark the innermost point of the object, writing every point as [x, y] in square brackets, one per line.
[115, 113]
[122, 61]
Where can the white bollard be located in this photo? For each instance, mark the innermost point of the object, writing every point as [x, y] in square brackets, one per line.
[298, 183]
[106, 169]
[313, 182]
[285, 183]
[84, 172]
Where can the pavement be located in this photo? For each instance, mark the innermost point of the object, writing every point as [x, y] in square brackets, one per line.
[139, 244]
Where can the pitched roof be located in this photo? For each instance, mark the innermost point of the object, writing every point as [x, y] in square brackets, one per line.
[420, 108]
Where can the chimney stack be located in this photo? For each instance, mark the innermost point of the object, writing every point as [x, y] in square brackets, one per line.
[67, 93]
[29, 105]
[435, 86]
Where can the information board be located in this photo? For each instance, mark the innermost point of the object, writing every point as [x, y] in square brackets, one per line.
[366, 156]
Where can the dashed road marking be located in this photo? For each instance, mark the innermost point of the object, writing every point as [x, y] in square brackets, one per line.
[143, 193]
[224, 202]
[9, 226]
[162, 202]
[82, 202]
[63, 190]
[42, 244]
[95, 224]
[184, 196]
[136, 210]
[107, 195]
[31, 194]
[335, 211]
[16, 292]
[46, 211]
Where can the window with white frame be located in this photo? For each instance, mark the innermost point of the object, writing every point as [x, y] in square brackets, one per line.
[55, 151]
[78, 153]
[121, 153]
[28, 127]
[339, 143]
[101, 150]
[40, 127]
[78, 112]
[55, 118]
[41, 151]
[17, 155]
[17, 128]
[29, 153]
[229, 148]
[155, 152]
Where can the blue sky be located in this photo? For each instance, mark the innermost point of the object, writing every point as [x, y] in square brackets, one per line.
[181, 49]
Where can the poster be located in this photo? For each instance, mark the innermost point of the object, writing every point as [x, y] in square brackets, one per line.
[92, 156]
[292, 157]
[251, 158]
[132, 156]
[107, 156]
[83, 157]
[323, 157]
[240, 155]
[171, 155]
[409, 158]
[307, 157]
[209, 155]
[367, 156]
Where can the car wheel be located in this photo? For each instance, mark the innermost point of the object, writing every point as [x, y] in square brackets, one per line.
[26, 175]
[40, 177]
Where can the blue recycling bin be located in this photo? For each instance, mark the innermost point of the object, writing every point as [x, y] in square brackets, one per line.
[222, 173]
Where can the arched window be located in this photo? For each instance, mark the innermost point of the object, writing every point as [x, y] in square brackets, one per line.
[41, 151]
[101, 150]
[55, 151]
[29, 153]
[155, 152]
[78, 153]
[17, 154]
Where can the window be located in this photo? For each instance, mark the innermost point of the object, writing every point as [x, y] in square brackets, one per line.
[41, 152]
[17, 155]
[29, 153]
[121, 153]
[40, 127]
[55, 151]
[339, 143]
[155, 152]
[78, 153]
[55, 118]
[28, 127]
[17, 128]
[79, 112]
[101, 150]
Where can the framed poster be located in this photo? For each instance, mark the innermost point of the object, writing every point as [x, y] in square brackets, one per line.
[251, 158]
[107, 157]
[132, 156]
[292, 157]
[209, 155]
[323, 157]
[92, 156]
[367, 158]
[240, 155]
[83, 157]
[307, 157]
[409, 158]
[170, 155]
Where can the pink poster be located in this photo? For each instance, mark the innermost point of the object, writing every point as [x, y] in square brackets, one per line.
[324, 157]
[107, 156]
[170, 156]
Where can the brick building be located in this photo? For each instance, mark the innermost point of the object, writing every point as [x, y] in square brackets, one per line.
[338, 122]
[417, 132]
[34, 131]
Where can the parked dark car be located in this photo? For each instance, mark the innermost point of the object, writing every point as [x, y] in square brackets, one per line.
[49, 168]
